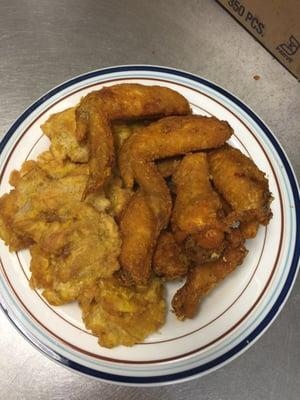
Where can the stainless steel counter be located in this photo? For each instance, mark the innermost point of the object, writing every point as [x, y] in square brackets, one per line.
[43, 43]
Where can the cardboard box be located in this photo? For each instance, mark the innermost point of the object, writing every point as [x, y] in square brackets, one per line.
[275, 24]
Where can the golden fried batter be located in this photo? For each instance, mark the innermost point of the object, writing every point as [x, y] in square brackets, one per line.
[168, 166]
[198, 254]
[60, 129]
[165, 138]
[64, 207]
[198, 208]
[44, 276]
[119, 102]
[143, 219]
[169, 261]
[83, 247]
[170, 137]
[204, 277]
[73, 239]
[120, 315]
[138, 233]
[118, 196]
[242, 185]
[8, 208]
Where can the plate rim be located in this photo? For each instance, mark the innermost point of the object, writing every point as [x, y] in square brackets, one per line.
[281, 299]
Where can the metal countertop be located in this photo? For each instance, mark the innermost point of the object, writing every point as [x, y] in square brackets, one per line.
[43, 43]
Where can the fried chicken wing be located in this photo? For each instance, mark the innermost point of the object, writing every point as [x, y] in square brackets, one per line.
[169, 261]
[120, 315]
[204, 277]
[170, 137]
[167, 137]
[138, 233]
[124, 102]
[144, 218]
[198, 209]
[198, 254]
[242, 185]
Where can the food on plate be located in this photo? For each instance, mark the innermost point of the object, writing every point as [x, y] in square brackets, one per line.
[169, 260]
[243, 186]
[119, 102]
[202, 278]
[120, 315]
[167, 137]
[170, 137]
[198, 209]
[61, 130]
[179, 204]
[138, 232]
[150, 222]
[168, 166]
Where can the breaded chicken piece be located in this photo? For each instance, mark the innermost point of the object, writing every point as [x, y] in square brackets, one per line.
[169, 137]
[138, 232]
[199, 255]
[242, 185]
[204, 277]
[169, 261]
[61, 130]
[142, 221]
[198, 209]
[120, 102]
[120, 315]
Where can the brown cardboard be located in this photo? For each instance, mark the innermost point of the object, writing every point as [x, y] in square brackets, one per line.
[274, 23]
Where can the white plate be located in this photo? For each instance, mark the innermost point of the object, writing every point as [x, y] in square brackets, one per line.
[232, 317]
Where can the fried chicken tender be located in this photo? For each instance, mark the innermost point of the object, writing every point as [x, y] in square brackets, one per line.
[243, 186]
[170, 137]
[120, 102]
[169, 261]
[198, 209]
[204, 277]
[120, 315]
